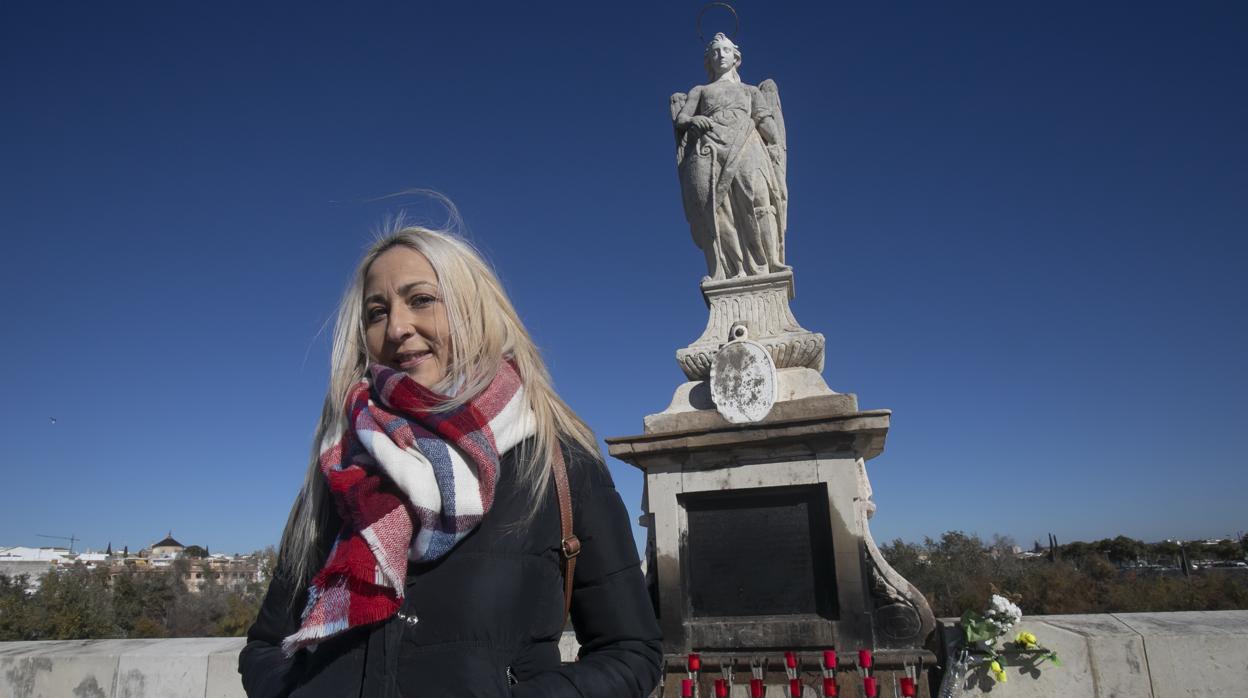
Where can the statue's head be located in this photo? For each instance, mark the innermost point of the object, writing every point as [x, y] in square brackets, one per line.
[722, 56]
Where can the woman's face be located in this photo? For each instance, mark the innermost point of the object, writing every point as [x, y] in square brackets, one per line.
[405, 323]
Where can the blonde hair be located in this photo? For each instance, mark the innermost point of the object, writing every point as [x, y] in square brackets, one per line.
[484, 328]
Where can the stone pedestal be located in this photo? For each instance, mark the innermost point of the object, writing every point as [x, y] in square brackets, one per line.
[761, 303]
[759, 532]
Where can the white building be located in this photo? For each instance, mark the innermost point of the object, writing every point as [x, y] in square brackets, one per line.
[33, 563]
[19, 553]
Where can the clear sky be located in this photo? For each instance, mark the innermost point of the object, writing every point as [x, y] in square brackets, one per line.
[1020, 226]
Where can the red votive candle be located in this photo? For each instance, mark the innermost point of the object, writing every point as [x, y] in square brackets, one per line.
[756, 688]
[790, 660]
[721, 688]
[869, 687]
[829, 659]
[686, 688]
[907, 686]
[795, 688]
[829, 686]
[864, 659]
[695, 662]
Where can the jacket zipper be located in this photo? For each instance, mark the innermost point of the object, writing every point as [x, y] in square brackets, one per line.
[511, 678]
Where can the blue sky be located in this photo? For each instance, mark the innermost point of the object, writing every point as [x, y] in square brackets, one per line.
[1019, 225]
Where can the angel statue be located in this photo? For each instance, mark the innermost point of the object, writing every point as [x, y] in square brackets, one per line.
[730, 155]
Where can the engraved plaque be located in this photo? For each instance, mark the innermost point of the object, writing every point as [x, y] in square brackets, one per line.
[757, 552]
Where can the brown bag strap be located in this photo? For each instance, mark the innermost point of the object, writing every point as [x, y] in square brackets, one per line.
[569, 544]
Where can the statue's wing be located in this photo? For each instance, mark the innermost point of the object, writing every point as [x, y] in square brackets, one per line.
[779, 156]
[677, 103]
[772, 93]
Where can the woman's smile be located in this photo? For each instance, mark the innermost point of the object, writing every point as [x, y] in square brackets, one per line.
[408, 360]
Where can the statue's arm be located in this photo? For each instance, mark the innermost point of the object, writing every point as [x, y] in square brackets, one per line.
[767, 129]
[764, 118]
[688, 113]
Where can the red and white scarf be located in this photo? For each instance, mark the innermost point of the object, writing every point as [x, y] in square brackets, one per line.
[409, 484]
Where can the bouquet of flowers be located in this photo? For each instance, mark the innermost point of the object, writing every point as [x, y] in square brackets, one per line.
[982, 645]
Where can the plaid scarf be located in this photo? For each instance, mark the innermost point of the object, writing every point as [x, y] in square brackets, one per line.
[409, 484]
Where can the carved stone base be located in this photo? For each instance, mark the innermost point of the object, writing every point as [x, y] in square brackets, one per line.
[901, 612]
[761, 303]
[787, 497]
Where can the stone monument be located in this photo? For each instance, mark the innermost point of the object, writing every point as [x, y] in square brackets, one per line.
[757, 497]
[731, 155]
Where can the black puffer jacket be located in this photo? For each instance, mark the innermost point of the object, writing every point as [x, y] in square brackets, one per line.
[485, 619]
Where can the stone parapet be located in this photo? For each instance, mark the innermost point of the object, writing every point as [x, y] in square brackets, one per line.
[1120, 654]
[176, 668]
[1201, 653]
[185, 667]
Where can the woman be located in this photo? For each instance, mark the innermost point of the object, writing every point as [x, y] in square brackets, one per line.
[423, 555]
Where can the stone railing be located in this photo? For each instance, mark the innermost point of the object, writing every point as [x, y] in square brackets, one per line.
[1122, 654]
[198, 667]
[178, 668]
[1129, 654]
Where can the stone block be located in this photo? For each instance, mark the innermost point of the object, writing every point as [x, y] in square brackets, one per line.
[75, 668]
[177, 667]
[223, 679]
[1100, 657]
[1199, 653]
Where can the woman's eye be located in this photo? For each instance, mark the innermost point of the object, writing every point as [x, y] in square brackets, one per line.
[422, 300]
[376, 313]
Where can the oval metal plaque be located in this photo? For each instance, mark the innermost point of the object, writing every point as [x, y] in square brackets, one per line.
[744, 386]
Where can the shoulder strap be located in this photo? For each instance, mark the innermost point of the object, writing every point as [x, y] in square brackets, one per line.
[569, 544]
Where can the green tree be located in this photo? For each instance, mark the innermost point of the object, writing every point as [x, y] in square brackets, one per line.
[1165, 552]
[1228, 550]
[198, 614]
[143, 602]
[73, 604]
[1120, 550]
[1077, 550]
[956, 573]
[16, 622]
[240, 613]
[195, 551]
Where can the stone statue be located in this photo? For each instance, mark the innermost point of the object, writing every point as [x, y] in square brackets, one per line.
[730, 155]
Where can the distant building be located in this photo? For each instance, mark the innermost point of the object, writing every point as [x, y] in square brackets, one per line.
[22, 553]
[166, 550]
[91, 559]
[229, 572]
[17, 560]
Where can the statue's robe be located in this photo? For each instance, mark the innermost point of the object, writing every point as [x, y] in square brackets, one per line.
[730, 153]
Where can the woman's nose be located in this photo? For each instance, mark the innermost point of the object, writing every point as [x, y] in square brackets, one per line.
[402, 325]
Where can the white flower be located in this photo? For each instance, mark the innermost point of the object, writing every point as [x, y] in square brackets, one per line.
[1003, 611]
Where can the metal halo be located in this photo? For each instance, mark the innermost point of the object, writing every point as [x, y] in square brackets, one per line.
[726, 6]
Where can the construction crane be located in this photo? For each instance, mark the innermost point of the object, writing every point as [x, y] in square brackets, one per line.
[71, 538]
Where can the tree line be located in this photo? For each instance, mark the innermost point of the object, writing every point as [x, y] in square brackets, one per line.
[79, 603]
[956, 572]
[960, 571]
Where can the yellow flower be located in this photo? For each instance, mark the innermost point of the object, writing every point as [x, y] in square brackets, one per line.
[1027, 640]
[997, 671]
